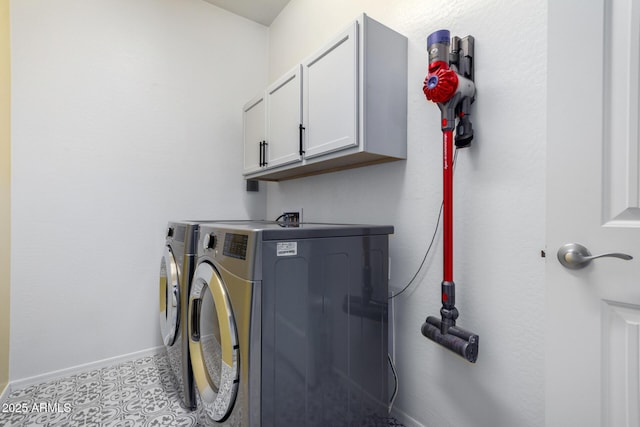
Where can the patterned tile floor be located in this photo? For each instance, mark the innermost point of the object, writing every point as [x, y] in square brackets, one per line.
[134, 393]
[130, 394]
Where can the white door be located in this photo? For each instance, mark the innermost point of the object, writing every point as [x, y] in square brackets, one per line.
[330, 83]
[253, 118]
[593, 169]
[284, 106]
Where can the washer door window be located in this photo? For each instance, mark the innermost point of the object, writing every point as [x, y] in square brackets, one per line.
[169, 297]
[213, 343]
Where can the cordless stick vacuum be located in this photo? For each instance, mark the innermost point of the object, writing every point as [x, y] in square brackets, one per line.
[450, 85]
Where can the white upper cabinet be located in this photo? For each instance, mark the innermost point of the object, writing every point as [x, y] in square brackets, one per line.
[344, 106]
[330, 95]
[284, 118]
[253, 118]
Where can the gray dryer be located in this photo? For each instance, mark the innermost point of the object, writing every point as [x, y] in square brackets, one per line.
[288, 325]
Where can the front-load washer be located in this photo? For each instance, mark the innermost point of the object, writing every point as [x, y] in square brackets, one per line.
[176, 271]
[287, 326]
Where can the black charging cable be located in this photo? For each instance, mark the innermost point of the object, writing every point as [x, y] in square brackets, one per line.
[433, 238]
[289, 219]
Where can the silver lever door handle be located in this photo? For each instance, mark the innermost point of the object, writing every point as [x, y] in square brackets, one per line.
[575, 256]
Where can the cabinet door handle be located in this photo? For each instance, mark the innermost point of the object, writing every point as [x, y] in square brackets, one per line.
[260, 154]
[264, 153]
[301, 128]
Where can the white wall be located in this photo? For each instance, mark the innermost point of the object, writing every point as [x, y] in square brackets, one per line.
[499, 204]
[125, 114]
[5, 192]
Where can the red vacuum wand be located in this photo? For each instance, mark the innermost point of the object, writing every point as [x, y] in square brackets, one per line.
[450, 85]
[447, 187]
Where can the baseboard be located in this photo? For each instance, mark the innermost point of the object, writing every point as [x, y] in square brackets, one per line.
[53, 375]
[5, 391]
[435, 420]
[405, 419]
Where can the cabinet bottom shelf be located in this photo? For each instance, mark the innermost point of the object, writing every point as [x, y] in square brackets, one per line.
[350, 161]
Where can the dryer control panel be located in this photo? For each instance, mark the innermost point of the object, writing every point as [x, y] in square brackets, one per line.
[235, 245]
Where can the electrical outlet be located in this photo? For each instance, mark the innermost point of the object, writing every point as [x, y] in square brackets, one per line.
[292, 216]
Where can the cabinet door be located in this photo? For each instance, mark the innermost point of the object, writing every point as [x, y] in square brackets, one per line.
[284, 116]
[254, 133]
[330, 106]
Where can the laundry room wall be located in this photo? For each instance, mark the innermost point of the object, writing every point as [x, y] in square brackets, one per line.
[126, 114]
[5, 191]
[499, 205]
